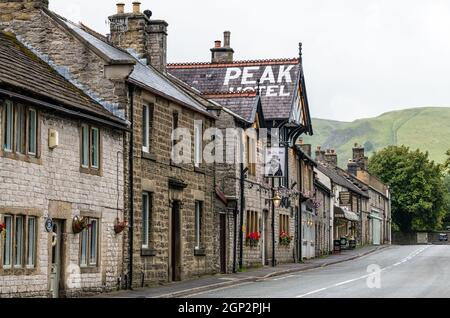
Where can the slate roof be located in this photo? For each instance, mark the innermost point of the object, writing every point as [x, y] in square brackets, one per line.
[23, 70]
[142, 75]
[336, 175]
[243, 104]
[277, 92]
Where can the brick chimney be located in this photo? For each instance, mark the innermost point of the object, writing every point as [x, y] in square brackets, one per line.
[331, 157]
[320, 154]
[359, 157]
[20, 10]
[141, 36]
[222, 54]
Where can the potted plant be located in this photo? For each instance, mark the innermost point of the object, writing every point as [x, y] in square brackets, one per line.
[285, 239]
[252, 239]
[79, 223]
[120, 226]
[2, 228]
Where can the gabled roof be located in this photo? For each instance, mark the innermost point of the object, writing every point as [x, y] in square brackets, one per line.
[21, 70]
[337, 178]
[279, 81]
[142, 75]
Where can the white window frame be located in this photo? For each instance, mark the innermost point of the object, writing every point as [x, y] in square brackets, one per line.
[8, 130]
[8, 238]
[31, 241]
[146, 215]
[145, 128]
[32, 124]
[18, 241]
[95, 151]
[85, 146]
[198, 143]
[86, 240]
[198, 226]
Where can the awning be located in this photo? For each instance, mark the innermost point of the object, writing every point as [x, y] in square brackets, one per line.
[340, 213]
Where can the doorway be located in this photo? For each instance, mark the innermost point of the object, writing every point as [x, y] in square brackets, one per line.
[56, 258]
[176, 243]
[223, 243]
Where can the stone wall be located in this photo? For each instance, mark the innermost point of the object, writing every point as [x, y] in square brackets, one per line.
[55, 187]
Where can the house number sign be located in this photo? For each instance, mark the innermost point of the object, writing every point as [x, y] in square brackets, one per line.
[48, 224]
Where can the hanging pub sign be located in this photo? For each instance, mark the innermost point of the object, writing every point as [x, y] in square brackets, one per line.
[275, 162]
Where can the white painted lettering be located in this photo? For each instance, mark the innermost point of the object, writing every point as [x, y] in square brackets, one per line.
[268, 76]
[246, 75]
[285, 73]
[232, 74]
[271, 91]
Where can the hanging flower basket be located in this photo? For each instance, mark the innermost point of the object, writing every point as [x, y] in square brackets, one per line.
[2, 228]
[252, 239]
[120, 226]
[79, 223]
[285, 239]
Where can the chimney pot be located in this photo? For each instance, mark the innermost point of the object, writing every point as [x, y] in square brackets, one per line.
[217, 43]
[226, 39]
[120, 8]
[136, 7]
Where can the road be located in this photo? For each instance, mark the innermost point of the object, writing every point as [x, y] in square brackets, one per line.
[394, 272]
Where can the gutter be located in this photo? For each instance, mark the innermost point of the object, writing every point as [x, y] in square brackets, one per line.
[119, 124]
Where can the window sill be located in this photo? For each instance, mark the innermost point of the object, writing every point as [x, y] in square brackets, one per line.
[200, 170]
[18, 271]
[21, 157]
[94, 172]
[200, 252]
[173, 164]
[146, 252]
[149, 156]
[90, 270]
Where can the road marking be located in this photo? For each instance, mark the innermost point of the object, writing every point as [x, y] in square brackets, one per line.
[216, 289]
[409, 257]
[281, 278]
[311, 293]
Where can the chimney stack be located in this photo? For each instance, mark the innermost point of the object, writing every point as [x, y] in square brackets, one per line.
[359, 157]
[136, 7]
[141, 36]
[120, 8]
[331, 157]
[223, 54]
[352, 167]
[320, 154]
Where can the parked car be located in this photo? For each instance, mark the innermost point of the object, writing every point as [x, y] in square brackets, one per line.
[443, 237]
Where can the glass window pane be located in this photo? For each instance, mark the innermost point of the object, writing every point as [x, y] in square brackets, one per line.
[84, 146]
[18, 241]
[198, 220]
[93, 242]
[7, 248]
[198, 143]
[32, 132]
[95, 148]
[145, 128]
[31, 241]
[83, 252]
[8, 126]
[145, 219]
[20, 129]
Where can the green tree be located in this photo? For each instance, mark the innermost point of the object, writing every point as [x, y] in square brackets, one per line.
[418, 191]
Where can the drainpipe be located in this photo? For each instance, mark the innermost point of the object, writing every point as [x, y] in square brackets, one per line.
[235, 238]
[300, 214]
[131, 189]
[273, 224]
[241, 232]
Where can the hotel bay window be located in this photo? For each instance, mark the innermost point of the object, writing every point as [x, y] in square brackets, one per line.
[19, 239]
[90, 149]
[20, 131]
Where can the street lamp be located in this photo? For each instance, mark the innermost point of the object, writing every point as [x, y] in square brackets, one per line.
[276, 200]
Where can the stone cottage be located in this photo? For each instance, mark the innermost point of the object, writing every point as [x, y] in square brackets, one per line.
[61, 173]
[169, 204]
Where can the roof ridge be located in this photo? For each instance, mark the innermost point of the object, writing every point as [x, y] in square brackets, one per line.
[249, 93]
[234, 63]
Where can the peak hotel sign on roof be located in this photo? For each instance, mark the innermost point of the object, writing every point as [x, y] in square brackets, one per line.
[274, 80]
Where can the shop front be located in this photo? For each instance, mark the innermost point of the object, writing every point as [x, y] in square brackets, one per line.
[345, 224]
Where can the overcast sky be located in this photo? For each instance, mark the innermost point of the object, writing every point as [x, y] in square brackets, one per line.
[361, 58]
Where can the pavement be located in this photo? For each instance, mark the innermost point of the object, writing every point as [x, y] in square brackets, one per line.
[205, 286]
[419, 271]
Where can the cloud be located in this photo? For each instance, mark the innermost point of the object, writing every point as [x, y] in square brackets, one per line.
[361, 58]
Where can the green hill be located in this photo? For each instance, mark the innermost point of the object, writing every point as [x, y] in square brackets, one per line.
[427, 129]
